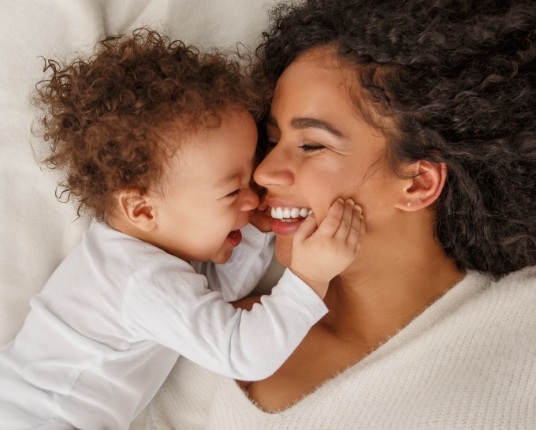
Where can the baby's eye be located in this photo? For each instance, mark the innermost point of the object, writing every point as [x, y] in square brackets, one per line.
[234, 193]
[309, 147]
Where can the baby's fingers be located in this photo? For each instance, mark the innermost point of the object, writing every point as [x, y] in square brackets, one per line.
[307, 228]
[349, 223]
[357, 229]
[329, 226]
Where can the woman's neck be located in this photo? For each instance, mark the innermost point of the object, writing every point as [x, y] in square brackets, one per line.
[373, 300]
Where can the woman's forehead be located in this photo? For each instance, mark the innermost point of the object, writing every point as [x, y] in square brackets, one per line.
[322, 58]
[320, 79]
[315, 71]
[319, 85]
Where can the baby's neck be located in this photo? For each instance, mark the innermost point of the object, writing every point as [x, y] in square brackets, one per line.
[120, 224]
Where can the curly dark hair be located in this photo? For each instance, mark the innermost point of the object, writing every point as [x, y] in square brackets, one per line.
[458, 80]
[103, 115]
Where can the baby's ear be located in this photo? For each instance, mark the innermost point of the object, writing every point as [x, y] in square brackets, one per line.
[136, 209]
[423, 187]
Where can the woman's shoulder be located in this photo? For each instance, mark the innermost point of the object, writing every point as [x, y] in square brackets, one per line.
[478, 292]
[524, 278]
[514, 295]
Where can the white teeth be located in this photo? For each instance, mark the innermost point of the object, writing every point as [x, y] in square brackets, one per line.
[287, 213]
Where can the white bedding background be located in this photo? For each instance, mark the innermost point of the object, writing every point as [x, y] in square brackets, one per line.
[36, 231]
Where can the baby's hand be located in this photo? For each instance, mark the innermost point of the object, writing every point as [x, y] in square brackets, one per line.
[259, 219]
[320, 254]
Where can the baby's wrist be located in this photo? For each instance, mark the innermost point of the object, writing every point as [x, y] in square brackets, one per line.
[319, 286]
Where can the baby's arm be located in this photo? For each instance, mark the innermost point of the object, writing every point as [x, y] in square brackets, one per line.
[320, 254]
[178, 311]
[238, 277]
[246, 345]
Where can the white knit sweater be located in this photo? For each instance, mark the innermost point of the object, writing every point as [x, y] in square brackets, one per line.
[467, 362]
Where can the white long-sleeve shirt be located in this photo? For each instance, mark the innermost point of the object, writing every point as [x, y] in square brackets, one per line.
[468, 362]
[114, 317]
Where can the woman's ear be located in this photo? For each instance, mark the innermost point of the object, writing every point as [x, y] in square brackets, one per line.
[136, 209]
[424, 187]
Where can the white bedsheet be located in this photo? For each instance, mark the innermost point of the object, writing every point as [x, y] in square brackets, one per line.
[36, 231]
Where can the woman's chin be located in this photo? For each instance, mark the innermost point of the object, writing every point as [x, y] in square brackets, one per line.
[283, 250]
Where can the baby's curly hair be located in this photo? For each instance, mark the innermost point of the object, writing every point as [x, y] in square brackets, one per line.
[102, 115]
[458, 79]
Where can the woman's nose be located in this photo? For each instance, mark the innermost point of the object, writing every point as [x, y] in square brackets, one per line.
[274, 169]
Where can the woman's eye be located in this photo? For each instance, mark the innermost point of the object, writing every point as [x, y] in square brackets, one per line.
[308, 147]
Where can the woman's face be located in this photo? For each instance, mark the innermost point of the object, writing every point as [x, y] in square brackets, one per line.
[321, 150]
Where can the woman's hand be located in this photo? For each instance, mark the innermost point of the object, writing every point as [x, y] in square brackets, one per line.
[320, 254]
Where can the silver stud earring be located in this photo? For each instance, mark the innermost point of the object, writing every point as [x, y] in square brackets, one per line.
[408, 204]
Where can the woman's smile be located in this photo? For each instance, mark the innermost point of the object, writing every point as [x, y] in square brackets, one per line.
[286, 217]
[289, 214]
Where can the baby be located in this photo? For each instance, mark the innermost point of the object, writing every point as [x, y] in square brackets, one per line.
[158, 143]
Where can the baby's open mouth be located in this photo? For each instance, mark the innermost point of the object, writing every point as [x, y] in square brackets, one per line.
[290, 214]
[235, 237]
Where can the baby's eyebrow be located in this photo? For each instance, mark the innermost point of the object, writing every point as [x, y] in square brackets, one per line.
[226, 179]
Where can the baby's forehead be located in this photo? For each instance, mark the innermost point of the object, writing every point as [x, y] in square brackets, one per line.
[226, 140]
[191, 127]
[186, 142]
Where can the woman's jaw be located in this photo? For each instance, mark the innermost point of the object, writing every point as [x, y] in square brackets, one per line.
[285, 219]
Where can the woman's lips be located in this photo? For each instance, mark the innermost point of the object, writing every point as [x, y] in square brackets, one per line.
[286, 219]
[288, 226]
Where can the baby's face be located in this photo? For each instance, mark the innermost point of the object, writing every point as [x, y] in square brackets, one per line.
[206, 197]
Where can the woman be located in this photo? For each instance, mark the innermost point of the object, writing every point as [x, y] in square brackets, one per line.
[424, 113]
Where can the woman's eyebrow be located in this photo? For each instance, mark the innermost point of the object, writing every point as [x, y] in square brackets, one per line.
[302, 123]
[305, 122]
